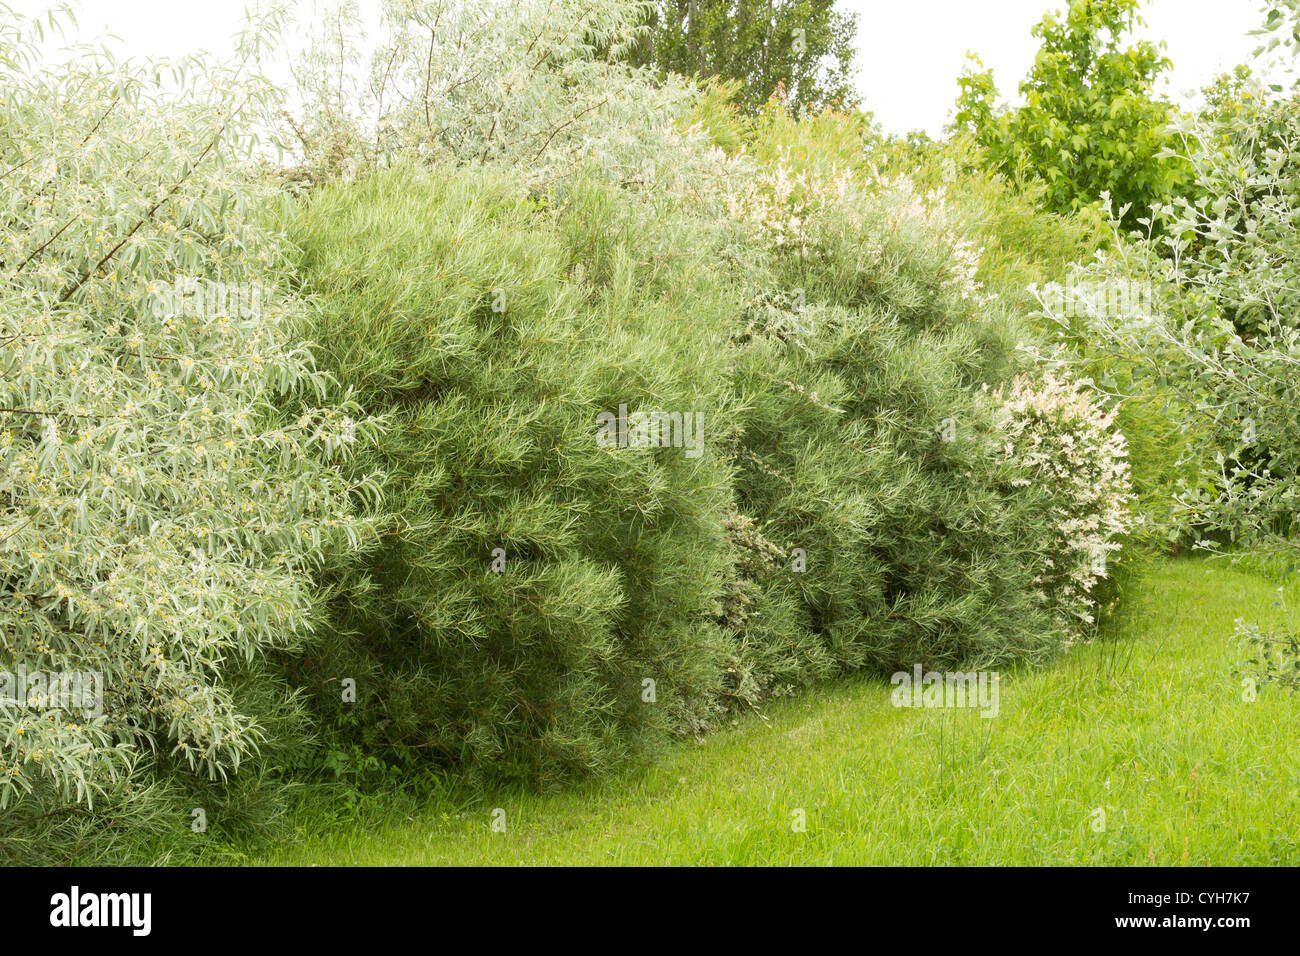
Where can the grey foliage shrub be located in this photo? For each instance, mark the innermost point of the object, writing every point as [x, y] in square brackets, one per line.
[169, 451]
[1222, 329]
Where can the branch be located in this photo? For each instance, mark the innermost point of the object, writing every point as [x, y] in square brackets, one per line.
[147, 217]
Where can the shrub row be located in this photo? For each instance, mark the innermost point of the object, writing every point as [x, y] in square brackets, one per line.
[543, 605]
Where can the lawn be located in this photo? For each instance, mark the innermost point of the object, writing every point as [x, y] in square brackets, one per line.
[1149, 726]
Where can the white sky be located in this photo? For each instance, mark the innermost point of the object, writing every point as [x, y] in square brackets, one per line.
[910, 51]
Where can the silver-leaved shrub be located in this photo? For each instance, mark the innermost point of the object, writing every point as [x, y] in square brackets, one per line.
[1223, 328]
[168, 453]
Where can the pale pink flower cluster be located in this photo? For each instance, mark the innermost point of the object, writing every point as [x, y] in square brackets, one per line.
[780, 202]
[934, 209]
[1072, 446]
[790, 207]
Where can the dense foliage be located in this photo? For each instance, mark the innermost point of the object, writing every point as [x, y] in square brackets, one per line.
[368, 446]
[533, 578]
[168, 455]
[1090, 125]
[861, 498]
[1214, 343]
[804, 48]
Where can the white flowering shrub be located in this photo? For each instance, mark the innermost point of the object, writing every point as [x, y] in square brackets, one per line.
[1071, 450]
[934, 207]
[160, 512]
[778, 201]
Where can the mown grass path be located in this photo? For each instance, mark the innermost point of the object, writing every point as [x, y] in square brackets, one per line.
[1149, 725]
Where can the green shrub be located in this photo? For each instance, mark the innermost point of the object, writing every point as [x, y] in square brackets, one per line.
[1219, 345]
[867, 438]
[1166, 447]
[855, 506]
[493, 333]
[863, 448]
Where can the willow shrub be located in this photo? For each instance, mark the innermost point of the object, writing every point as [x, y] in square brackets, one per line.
[853, 506]
[542, 605]
[168, 458]
[908, 537]
[869, 454]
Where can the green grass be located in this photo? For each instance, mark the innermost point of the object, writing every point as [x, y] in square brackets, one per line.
[1149, 724]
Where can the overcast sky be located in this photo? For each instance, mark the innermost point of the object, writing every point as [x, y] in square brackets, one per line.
[910, 51]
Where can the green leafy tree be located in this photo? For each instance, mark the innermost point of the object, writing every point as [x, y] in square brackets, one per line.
[1281, 28]
[1091, 124]
[802, 46]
